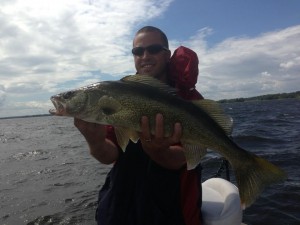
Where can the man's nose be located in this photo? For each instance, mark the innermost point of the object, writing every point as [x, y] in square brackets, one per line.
[146, 54]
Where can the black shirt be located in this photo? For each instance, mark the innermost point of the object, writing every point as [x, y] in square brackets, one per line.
[137, 191]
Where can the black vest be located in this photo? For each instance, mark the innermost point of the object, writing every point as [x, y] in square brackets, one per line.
[137, 191]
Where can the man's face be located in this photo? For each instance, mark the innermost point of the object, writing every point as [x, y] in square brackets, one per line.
[151, 64]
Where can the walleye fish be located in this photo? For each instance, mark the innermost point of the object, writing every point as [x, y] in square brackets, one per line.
[122, 104]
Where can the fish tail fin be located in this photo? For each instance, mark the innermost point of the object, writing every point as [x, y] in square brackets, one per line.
[254, 175]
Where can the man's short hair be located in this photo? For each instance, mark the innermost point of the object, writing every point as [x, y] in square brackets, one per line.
[155, 29]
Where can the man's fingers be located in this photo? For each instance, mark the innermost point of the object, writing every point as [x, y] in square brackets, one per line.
[145, 128]
[159, 126]
[159, 135]
[177, 133]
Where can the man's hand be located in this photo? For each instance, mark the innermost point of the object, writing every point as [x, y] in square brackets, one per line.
[166, 151]
[101, 148]
[93, 132]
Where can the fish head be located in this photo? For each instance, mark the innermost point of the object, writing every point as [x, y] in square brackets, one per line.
[93, 103]
[70, 103]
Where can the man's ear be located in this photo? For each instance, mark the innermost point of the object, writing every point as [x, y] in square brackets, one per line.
[168, 55]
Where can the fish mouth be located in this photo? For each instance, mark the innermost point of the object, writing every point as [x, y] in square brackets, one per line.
[60, 107]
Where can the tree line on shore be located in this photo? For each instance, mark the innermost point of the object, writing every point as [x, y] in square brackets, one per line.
[264, 97]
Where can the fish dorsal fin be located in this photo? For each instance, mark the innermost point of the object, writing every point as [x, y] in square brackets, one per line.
[214, 110]
[151, 81]
[124, 135]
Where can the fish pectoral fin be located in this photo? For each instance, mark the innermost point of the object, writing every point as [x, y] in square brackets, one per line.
[214, 110]
[193, 155]
[122, 137]
[108, 105]
[134, 136]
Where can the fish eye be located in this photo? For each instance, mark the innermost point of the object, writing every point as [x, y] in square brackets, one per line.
[68, 94]
[108, 111]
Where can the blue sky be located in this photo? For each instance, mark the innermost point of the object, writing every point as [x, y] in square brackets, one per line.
[246, 48]
[228, 18]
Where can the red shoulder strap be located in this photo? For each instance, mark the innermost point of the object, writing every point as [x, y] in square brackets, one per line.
[184, 68]
[191, 197]
[183, 72]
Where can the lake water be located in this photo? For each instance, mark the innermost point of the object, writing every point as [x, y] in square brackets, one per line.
[48, 177]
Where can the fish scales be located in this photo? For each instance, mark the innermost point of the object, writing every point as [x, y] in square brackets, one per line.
[147, 100]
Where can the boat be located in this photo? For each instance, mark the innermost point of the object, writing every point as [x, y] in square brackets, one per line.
[221, 203]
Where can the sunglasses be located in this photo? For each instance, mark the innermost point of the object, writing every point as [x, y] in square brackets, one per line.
[151, 49]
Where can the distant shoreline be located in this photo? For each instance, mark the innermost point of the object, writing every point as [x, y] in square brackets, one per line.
[14, 117]
[256, 98]
[264, 97]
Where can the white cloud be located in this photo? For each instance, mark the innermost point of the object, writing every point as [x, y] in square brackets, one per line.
[244, 67]
[45, 44]
[56, 36]
[293, 63]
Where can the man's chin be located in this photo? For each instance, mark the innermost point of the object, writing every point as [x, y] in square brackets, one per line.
[151, 73]
[147, 72]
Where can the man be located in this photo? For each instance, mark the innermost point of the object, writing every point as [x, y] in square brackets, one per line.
[144, 186]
